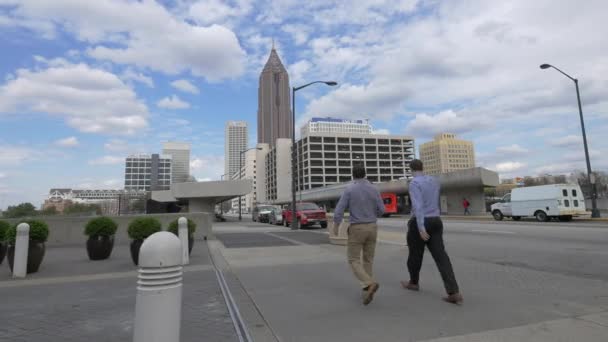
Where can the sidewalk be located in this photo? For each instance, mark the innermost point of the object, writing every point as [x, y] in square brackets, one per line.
[303, 289]
[74, 299]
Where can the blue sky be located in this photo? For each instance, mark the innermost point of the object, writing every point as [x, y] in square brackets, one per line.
[86, 83]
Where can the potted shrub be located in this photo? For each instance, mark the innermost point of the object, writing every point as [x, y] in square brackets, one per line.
[191, 229]
[4, 226]
[100, 243]
[39, 232]
[139, 229]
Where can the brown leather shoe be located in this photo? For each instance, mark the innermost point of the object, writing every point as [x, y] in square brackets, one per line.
[369, 294]
[409, 286]
[455, 298]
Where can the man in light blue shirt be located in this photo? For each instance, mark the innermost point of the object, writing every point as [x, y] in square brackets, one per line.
[365, 205]
[425, 228]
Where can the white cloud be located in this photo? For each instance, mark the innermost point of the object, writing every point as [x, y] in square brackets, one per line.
[67, 142]
[567, 141]
[107, 160]
[445, 121]
[512, 150]
[218, 12]
[173, 102]
[107, 184]
[90, 100]
[141, 33]
[185, 86]
[131, 75]
[509, 167]
[12, 155]
[2, 175]
[206, 168]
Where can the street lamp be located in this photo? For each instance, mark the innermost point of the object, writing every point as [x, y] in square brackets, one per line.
[594, 211]
[294, 221]
[241, 174]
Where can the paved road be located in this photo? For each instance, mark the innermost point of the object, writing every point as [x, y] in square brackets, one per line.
[574, 248]
[521, 282]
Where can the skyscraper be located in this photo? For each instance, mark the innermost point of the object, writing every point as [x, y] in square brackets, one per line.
[274, 104]
[180, 164]
[236, 141]
[446, 153]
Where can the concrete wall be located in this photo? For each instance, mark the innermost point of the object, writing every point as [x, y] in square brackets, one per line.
[68, 230]
[602, 204]
[474, 195]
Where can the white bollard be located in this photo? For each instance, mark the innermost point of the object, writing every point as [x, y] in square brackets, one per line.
[182, 224]
[22, 244]
[158, 306]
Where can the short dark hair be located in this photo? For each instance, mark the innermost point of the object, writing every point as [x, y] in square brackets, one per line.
[416, 165]
[358, 172]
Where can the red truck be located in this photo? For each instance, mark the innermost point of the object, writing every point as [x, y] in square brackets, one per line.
[308, 214]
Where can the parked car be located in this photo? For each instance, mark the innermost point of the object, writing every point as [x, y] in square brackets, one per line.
[307, 214]
[561, 201]
[261, 213]
[276, 215]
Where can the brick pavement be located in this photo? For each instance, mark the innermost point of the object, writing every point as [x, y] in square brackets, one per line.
[75, 306]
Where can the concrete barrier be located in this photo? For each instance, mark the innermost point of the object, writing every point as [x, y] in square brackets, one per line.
[69, 230]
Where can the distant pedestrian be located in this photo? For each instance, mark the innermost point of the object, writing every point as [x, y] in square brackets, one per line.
[425, 228]
[466, 205]
[365, 205]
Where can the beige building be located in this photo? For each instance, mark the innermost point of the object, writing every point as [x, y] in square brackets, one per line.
[446, 153]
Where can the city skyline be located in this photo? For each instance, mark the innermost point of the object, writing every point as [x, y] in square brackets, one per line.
[82, 89]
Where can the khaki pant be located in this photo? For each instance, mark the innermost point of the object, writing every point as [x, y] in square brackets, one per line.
[361, 248]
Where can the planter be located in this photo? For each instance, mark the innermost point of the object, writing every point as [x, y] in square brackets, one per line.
[35, 255]
[135, 246]
[99, 247]
[2, 251]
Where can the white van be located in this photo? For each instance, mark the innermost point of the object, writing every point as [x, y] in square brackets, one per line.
[561, 201]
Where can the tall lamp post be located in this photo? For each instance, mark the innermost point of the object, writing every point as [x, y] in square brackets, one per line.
[594, 211]
[294, 220]
[241, 174]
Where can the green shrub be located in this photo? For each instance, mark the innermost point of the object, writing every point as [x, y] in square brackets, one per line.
[191, 227]
[142, 227]
[39, 231]
[4, 226]
[103, 226]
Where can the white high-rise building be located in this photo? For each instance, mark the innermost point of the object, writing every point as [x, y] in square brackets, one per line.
[332, 125]
[235, 142]
[180, 165]
[248, 171]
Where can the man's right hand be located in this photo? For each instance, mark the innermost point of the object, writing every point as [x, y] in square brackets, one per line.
[424, 235]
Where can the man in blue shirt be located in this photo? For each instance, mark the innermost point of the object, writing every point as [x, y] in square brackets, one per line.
[365, 205]
[425, 228]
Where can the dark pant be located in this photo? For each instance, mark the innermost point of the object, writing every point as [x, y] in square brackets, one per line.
[434, 227]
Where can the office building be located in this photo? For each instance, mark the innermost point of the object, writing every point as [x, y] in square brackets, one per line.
[236, 138]
[332, 125]
[145, 172]
[446, 153]
[180, 160]
[327, 158]
[274, 102]
[108, 200]
[248, 171]
[276, 178]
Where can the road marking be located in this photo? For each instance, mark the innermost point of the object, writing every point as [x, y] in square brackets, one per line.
[492, 231]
